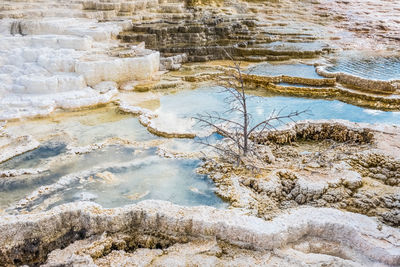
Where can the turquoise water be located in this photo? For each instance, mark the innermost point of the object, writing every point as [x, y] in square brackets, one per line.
[137, 174]
[60, 164]
[295, 70]
[160, 178]
[210, 99]
[145, 176]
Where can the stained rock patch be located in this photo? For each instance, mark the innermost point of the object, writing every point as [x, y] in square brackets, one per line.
[321, 164]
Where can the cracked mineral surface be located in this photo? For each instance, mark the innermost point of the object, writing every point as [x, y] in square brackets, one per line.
[102, 163]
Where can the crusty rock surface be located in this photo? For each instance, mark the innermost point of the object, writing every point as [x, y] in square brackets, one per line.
[159, 224]
[11, 146]
[54, 56]
[334, 164]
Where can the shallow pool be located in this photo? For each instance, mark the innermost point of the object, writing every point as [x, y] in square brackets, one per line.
[294, 70]
[117, 173]
[152, 178]
[84, 127]
[124, 173]
[55, 163]
[210, 99]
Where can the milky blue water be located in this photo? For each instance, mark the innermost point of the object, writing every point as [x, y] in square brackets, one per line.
[33, 158]
[149, 177]
[210, 99]
[155, 177]
[139, 174]
[160, 178]
[12, 190]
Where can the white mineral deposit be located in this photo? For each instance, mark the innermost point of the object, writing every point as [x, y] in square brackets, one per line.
[199, 133]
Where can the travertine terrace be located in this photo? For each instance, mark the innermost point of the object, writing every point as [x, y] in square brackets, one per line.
[100, 161]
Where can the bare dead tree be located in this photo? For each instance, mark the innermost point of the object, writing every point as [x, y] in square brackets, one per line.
[240, 134]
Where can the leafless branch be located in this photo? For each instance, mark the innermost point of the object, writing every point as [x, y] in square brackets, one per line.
[240, 132]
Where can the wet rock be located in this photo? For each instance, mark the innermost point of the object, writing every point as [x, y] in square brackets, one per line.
[173, 63]
[108, 177]
[11, 146]
[104, 87]
[85, 196]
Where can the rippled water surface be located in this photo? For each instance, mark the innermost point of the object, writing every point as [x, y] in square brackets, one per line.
[378, 68]
[296, 70]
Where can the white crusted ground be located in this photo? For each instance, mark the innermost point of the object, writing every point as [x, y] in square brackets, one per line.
[11, 146]
[49, 61]
[362, 239]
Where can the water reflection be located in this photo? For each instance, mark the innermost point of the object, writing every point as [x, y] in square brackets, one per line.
[149, 176]
[295, 46]
[85, 127]
[59, 165]
[209, 99]
[166, 179]
[32, 159]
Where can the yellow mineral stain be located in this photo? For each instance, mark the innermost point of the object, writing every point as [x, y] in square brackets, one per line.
[107, 177]
[137, 196]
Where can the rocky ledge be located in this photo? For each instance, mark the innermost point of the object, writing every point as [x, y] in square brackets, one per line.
[11, 146]
[157, 232]
[336, 164]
